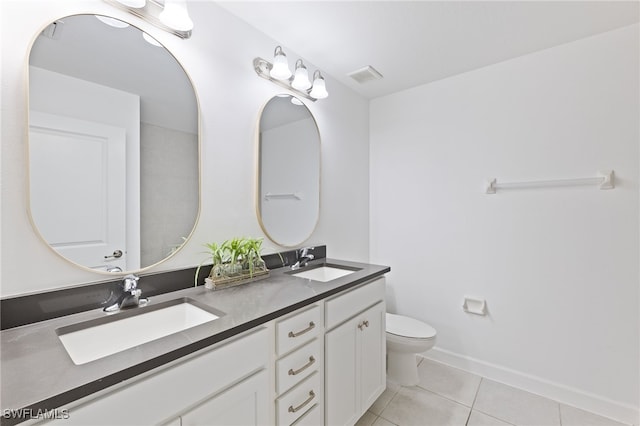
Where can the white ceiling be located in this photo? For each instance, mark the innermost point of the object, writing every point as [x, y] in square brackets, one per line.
[417, 42]
[86, 48]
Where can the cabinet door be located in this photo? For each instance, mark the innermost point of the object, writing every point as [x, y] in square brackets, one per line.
[244, 404]
[342, 397]
[372, 354]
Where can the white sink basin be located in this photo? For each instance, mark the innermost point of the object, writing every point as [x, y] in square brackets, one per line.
[106, 336]
[323, 273]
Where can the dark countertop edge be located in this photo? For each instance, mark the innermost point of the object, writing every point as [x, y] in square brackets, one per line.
[87, 389]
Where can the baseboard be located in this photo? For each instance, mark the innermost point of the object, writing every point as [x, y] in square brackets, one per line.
[586, 401]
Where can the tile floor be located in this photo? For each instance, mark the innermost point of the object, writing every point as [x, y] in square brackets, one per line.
[448, 396]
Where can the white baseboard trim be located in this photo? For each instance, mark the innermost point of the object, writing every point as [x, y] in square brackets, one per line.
[570, 396]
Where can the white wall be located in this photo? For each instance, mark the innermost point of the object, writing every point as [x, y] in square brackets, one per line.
[168, 171]
[218, 59]
[558, 267]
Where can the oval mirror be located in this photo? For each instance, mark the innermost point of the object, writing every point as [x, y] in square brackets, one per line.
[113, 145]
[288, 171]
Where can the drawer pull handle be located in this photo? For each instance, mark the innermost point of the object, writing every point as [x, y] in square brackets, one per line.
[363, 324]
[293, 372]
[312, 325]
[293, 409]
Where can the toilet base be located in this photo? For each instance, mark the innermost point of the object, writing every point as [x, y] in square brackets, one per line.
[402, 368]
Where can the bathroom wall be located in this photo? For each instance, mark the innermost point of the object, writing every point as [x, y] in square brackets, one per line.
[168, 165]
[218, 59]
[557, 266]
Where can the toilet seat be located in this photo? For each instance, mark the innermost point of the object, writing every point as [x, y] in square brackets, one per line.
[402, 326]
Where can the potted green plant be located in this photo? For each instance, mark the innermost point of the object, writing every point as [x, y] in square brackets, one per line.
[234, 261]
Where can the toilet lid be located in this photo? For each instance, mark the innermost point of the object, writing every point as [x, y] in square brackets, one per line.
[409, 327]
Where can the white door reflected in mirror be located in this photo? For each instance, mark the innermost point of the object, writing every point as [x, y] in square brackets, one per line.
[82, 219]
[289, 171]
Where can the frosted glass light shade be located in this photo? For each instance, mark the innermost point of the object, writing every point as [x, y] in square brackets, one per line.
[112, 22]
[137, 4]
[175, 15]
[301, 78]
[319, 90]
[152, 41]
[280, 70]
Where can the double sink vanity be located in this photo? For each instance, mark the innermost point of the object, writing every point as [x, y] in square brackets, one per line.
[304, 346]
[301, 347]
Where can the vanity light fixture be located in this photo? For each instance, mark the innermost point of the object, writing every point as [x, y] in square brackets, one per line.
[133, 3]
[175, 15]
[280, 69]
[170, 15]
[280, 74]
[301, 77]
[319, 90]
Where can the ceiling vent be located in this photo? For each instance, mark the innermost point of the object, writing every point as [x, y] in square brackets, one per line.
[365, 74]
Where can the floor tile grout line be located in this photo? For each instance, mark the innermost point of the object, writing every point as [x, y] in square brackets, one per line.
[475, 397]
[559, 415]
[441, 396]
[494, 417]
[474, 401]
[387, 404]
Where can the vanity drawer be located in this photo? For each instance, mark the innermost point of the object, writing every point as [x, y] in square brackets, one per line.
[313, 417]
[299, 400]
[298, 329]
[298, 365]
[347, 304]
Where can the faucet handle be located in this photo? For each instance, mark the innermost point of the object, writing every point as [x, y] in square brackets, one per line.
[130, 282]
[305, 251]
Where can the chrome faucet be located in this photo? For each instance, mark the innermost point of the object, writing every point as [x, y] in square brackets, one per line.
[129, 296]
[303, 256]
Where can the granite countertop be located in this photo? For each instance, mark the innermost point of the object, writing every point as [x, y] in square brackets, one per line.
[38, 374]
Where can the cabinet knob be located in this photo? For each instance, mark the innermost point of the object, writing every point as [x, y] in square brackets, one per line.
[363, 324]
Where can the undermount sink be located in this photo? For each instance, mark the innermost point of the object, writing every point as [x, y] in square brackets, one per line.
[324, 273]
[95, 339]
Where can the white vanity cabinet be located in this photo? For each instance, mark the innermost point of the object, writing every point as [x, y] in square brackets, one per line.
[299, 372]
[241, 405]
[323, 364]
[225, 385]
[355, 352]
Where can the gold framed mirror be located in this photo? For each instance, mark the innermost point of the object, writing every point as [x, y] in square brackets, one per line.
[114, 145]
[288, 199]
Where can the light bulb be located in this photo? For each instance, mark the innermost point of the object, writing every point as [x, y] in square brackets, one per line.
[280, 69]
[319, 90]
[112, 22]
[301, 79]
[175, 15]
[152, 41]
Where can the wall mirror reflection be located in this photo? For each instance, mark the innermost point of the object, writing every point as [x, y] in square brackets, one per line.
[113, 145]
[289, 171]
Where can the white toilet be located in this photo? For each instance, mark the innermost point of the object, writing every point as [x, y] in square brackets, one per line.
[406, 337]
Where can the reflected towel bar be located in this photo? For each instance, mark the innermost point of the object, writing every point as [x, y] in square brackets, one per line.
[604, 180]
[294, 195]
